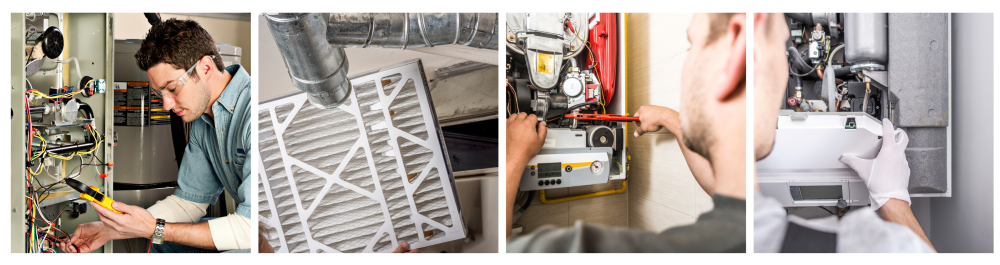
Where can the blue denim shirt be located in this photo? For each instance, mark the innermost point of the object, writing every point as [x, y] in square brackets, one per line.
[218, 150]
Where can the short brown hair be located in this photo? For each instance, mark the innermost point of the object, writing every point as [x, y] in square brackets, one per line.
[717, 25]
[179, 43]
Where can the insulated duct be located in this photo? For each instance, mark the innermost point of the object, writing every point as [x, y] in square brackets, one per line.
[312, 44]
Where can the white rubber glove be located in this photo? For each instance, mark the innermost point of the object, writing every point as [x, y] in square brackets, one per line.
[888, 175]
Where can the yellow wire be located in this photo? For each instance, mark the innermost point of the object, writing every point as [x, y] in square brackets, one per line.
[44, 146]
[67, 95]
[63, 157]
[40, 166]
[590, 53]
[99, 141]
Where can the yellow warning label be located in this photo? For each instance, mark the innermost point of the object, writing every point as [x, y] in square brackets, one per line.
[545, 63]
[159, 117]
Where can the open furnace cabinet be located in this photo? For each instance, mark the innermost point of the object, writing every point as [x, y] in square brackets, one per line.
[848, 71]
[567, 69]
[62, 124]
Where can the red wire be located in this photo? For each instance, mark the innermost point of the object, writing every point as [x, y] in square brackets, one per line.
[28, 108]
[570, 25]
[150, 246]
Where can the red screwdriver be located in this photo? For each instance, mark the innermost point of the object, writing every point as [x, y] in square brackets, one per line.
[602, 117]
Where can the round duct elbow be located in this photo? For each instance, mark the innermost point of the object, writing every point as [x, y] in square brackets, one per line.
[315, 67]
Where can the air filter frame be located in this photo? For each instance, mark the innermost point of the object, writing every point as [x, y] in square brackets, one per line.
[410, 74]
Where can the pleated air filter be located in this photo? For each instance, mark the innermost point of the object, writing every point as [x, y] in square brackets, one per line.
[363, 177]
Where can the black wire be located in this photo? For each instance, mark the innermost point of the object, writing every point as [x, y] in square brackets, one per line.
[34, 191]
[531, 196]
[792, 70]
[31, 53]
[96, 141]
[78, 167]
[575, 107]
[60, 210]
[824, 208]
[98, 158]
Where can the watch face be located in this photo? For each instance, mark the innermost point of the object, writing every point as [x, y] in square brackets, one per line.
[572, 87]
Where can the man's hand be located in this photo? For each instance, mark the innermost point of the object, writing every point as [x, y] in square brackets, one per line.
[525, 137]
[133, 222]
[405, 248]
[653, 118]
[88, 237]
[888, 175]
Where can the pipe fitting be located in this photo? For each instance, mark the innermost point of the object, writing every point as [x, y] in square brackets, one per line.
[312, 44]
[316, 67]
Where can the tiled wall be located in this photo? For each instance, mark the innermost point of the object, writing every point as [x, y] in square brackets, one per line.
[662, 193]
[609, 210]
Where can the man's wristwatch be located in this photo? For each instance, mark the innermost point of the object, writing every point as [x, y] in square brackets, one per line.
[158, 233]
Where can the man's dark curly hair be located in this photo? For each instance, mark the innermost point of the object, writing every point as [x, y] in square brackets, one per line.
[180, 43]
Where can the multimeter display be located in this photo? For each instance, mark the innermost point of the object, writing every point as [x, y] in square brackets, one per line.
[548, 170]
[817, 192]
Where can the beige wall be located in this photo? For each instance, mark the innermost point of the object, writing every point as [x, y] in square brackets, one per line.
[234, 32]
[610, 210]
[662, 191]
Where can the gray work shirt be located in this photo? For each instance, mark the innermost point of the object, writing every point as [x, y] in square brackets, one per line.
[858, 231]
[723, 229]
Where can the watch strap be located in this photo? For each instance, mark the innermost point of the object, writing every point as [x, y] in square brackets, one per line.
[158, 232]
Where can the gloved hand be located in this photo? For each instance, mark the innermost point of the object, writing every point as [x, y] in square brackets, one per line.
[888, 175]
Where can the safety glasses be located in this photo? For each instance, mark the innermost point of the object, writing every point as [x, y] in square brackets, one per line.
[181, 80]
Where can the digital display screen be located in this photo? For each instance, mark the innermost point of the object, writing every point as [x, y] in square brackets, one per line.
[548, 170]
[817, 192]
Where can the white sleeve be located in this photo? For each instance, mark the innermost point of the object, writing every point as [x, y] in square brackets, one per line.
[230, 232]
[863, 231]
[176, 210]
[769, 223]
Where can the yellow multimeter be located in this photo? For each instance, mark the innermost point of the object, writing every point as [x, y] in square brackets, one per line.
[91, 193]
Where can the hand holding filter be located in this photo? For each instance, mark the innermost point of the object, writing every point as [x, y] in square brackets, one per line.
[91, 193]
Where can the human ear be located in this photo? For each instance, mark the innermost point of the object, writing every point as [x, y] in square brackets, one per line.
[734, 71]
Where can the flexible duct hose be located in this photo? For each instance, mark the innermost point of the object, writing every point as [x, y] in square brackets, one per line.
[412, 30]
[805, 18]
[794, 54]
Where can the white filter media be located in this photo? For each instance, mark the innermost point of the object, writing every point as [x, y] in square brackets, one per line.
[363, 177]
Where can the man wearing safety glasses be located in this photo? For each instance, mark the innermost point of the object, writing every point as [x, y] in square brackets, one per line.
[185, 69]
